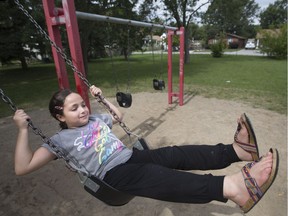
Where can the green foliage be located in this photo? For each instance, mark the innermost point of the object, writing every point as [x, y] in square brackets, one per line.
[218, 47]
[275, 45]
[234, 16]
[275, 15]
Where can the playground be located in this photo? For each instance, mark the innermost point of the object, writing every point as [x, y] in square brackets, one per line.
[54, 190]
[190, 119]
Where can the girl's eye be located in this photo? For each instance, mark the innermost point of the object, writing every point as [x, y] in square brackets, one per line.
[83, 105]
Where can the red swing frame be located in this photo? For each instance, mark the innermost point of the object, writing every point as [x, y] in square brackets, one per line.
[67, 16]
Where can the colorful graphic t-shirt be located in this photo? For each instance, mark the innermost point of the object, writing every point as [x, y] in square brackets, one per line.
[93, 146]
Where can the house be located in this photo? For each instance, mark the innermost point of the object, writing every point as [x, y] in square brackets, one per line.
[261, 34]
[231, 40]
[158, 41]
[235, 41]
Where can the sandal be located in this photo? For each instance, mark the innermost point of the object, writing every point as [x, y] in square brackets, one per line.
[252, 146]
[256, 192]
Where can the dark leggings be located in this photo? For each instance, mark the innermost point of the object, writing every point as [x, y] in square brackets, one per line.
[162, 173]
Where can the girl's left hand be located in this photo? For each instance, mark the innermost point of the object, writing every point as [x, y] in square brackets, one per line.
[95, 91]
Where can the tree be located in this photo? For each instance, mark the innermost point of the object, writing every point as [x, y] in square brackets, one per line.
[11, 38]
[274, 43]
[231, 16]
[275, 15]
[17, 31]
[184, 12]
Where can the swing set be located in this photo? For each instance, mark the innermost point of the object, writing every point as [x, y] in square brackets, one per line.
[67, 16]
[92, 184]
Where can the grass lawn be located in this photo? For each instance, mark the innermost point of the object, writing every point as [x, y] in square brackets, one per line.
[258, 81]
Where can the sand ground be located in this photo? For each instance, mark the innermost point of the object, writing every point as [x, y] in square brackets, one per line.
[54, 190]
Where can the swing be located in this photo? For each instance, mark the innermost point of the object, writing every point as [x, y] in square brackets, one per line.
[123, 99]
[158, 84]
[92, 184]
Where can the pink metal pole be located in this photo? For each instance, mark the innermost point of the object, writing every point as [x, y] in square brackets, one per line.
[67, 16]
[181, 65]
[75, 47]
[170, 86]
[54, 34]
[179, 94]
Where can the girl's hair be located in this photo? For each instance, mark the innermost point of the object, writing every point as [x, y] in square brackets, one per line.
[56, 105]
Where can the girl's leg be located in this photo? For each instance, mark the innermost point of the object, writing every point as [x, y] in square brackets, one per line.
[190, 157]
[203, 157]
[161, 183]
[158, 182]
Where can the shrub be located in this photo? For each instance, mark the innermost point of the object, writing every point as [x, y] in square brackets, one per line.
[217, 49]
[275, 45]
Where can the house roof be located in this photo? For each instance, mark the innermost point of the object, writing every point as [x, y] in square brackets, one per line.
[271, 32]
[235, 36]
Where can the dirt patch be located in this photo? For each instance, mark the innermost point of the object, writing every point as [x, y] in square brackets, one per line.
[54, 190]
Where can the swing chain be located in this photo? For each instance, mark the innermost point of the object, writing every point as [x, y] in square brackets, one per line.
[7, 100]
[58, 151]
[53, 44]
[99, 98]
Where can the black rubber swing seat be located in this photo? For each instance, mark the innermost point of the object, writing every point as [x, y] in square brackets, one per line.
[158, 84]
[124, 99]
[104, 192]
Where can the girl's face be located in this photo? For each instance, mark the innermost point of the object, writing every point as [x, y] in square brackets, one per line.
[75, 111]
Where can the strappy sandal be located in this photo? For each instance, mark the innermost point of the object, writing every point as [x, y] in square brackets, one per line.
[252, 146]
[256, 192]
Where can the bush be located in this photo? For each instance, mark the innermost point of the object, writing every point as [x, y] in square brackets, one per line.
[275, 46]
[217, 49]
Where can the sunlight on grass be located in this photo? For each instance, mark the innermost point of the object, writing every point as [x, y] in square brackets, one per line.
[257, 81]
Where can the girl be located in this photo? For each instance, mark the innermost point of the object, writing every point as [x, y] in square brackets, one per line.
[158, 173]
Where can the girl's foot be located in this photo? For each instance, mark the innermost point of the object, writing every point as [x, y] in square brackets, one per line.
[247, 187]
[245, 143]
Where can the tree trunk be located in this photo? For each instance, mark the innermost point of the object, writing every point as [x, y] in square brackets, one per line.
[23, 63]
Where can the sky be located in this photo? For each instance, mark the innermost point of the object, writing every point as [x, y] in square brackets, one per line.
[263, 4]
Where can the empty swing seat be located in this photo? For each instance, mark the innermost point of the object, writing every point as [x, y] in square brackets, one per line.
[124, 99]
[158, 84]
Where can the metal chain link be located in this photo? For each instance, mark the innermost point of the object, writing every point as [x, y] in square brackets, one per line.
[7, 100]
[99, 98]
[58, 151]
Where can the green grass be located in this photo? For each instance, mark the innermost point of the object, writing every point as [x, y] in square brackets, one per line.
[257, 81]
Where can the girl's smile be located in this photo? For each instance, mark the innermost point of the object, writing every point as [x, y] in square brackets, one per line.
[75, 111]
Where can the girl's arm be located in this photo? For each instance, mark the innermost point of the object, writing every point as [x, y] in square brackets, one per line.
[27, 161]
[97, 91]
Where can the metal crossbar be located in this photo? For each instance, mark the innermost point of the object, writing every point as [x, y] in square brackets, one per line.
[97, 17]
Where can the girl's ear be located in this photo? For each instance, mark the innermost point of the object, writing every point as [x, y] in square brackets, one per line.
[60, 118]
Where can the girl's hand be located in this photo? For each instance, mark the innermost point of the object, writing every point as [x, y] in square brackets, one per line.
[20, 118]
[95, 91]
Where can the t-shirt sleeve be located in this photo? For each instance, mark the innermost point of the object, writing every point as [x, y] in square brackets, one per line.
[47, 146]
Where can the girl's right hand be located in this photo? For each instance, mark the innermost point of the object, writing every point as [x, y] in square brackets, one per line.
[20, 118]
